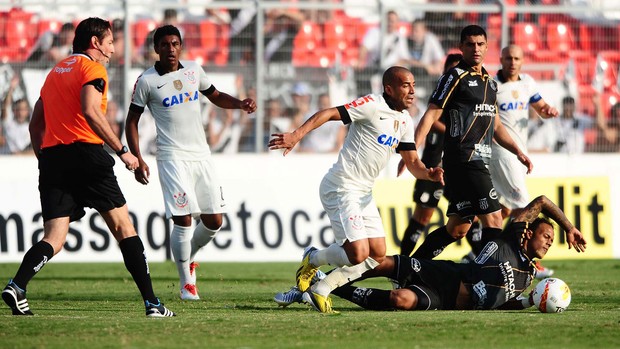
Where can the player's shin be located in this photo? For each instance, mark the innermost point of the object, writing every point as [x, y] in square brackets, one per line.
[343, 275]
[181, 248]
[202, 236]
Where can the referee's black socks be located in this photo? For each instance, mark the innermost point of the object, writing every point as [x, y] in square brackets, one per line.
[135, 262]
[36, 257]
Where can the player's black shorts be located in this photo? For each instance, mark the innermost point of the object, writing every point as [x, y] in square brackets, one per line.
[469, 189]
[428, 193]
[435, 282]
[75, 176]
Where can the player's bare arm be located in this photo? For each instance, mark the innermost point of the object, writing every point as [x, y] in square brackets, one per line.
[542, 204]
[91, 108]
[503, 138]
[432, 114]
[287, 141]
[142, 173]
[37, 127]
[418, 169]
[545, 110]
[226, 101]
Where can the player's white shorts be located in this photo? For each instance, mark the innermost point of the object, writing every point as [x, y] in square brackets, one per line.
[190, 187]
[508, 176]
[353, 215]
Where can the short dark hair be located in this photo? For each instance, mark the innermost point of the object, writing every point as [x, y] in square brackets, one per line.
[538, 221]
[164, 31]
[568, 100]
[472, 30]
[88, 28]
[389, 76]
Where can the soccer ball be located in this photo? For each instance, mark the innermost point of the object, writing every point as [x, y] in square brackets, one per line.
[551, 295]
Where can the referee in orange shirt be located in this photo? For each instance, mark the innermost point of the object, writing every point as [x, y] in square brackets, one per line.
[68, 130]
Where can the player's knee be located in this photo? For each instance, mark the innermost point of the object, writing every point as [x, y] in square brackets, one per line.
[212, 221]
[357, 256]
[403, 299]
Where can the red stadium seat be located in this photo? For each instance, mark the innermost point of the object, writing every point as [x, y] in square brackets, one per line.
[610, 63]
[208, 35]
[223, 41]
[46, 25]
[18, 35]
[527, 35]
[339, 35]
[141, 29]
[308, 39]
[560, 37]
[585, 66]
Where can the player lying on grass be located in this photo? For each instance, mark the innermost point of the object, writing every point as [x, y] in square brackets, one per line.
[495, 280]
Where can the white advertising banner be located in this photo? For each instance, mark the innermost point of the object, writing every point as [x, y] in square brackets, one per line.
[274, 208]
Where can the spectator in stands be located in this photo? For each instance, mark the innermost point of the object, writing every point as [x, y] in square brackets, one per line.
[302, 98]
[118, 59]
[378, 52]
[15, 121]
[426, 56]
[541, 134]
[327, 138]
[281, 26]
[4, 147]
[52, 47]
[608, 138]
[572, 127]
[242, 34]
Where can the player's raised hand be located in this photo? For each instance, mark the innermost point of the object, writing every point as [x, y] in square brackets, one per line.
[248, 105]
[575, 239]
[436, 174]
[284, 141]
[550, 111]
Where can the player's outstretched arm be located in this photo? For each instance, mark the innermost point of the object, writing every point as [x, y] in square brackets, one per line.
[287, 141]
[418, 169]
[542, 204]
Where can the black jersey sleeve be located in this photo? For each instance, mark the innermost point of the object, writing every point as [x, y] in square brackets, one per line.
[445, 87]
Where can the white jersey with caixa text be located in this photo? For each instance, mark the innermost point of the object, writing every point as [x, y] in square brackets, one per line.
[513, 101]
[375, 132]
[174, 101]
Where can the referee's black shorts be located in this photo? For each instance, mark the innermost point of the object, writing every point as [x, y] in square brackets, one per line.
[435, 282]
[470, 190]
[75, 176]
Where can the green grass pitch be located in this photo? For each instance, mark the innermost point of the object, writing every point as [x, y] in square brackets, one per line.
[98, 306]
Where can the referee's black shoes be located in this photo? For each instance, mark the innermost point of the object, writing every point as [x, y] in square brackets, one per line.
[15, 298]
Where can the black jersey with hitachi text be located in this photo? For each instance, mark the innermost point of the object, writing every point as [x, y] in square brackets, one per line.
[501, 271]
[468, 100]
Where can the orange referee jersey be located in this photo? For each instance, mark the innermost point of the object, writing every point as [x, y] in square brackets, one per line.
[62, 106]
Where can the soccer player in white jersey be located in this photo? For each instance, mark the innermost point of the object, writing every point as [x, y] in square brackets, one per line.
[379, 125]
[516, 93]
[191, 188]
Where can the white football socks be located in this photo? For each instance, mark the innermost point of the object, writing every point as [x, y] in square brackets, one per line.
[333, 255]
[343, 275]
[181, 247]
[202, 236]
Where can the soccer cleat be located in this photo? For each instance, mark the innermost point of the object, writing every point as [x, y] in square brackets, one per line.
[542, 272]
[157, 310]
[289, 297]
[306, 270]
[319, 303]
[192, 271]
[189, 292]
[293, 295]
[15, 298]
